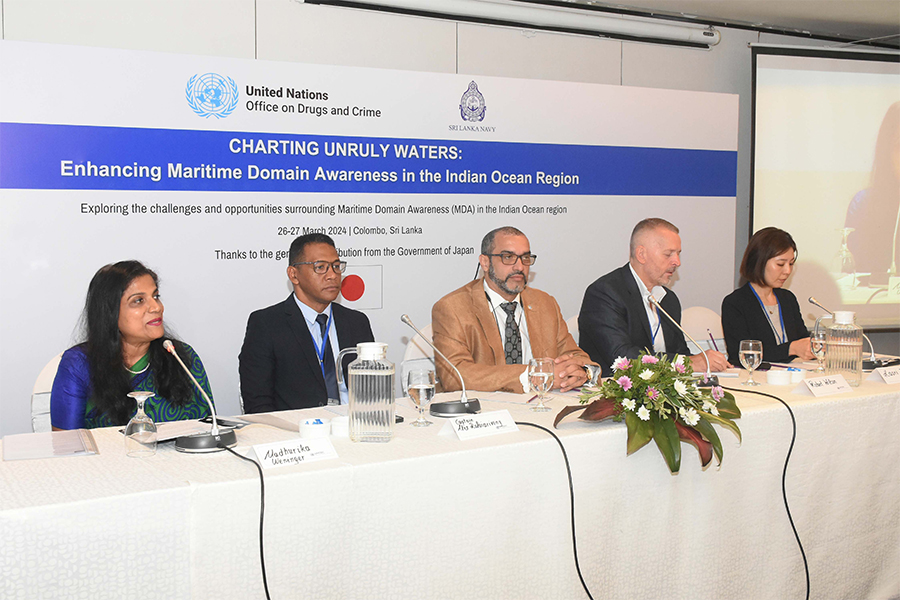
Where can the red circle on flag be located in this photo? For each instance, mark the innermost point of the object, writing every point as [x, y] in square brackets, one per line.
[353, 287]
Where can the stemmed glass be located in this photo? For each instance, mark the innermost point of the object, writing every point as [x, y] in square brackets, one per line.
[420, 387]
[140, 433]
[750, 353]
[817, 345]
[540, 377]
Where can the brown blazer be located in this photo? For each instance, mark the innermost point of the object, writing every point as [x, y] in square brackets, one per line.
[465, 330]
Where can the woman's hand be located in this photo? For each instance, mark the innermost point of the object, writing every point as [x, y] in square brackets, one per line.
[801, 349]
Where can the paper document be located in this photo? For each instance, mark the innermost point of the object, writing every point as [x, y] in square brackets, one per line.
[24, 446]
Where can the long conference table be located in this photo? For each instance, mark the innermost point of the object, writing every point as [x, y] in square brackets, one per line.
[429, 516]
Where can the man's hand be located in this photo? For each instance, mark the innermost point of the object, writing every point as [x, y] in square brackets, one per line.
[718, 362]
[568, 373]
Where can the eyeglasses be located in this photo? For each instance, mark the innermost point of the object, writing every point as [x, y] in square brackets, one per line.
[320, 267]
[509, 259]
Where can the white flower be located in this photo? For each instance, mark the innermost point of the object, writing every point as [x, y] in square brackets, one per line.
[681, 388]
[628, 403]
[710, 407]
[646, 375]
[691, 417]
[643, 414]
[679, 360]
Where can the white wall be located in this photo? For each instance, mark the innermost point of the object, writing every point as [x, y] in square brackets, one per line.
[292, 31]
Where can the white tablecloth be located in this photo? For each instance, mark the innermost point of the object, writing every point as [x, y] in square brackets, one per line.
[426, 516]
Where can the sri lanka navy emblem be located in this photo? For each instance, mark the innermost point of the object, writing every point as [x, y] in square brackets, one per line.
[471, 105]
[211, 95]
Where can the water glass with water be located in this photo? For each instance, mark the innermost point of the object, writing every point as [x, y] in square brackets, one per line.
[750, 353]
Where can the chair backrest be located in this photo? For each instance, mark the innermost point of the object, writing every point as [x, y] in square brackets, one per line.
[696, 320]
[418, 355]
[40, 396]
[572, 324]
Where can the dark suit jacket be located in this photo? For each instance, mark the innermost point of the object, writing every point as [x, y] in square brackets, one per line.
[278, 365]
[613, 322]
[744, 319]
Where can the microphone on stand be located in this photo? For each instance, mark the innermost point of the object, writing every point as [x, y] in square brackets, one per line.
[872, 362]
[709, 379]
[202, 442]
[452, 408]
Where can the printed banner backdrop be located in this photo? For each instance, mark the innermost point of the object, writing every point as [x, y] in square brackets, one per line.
[206, 169]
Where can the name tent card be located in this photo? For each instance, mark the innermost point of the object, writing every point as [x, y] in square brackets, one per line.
[468, 427]
[294, 452]
[890, 375]
[826, 385]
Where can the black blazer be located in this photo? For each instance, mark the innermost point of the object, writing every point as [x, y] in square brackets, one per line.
[278, 365]
[744, 319]
[613, 321]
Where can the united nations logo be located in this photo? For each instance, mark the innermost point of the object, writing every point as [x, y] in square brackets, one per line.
[471, 105]
[211, 95]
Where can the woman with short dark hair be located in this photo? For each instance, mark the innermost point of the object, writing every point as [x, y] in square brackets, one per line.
[761, 309]
[123, 352]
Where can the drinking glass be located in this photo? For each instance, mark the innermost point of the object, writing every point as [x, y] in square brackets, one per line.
[540, 377]
[420, 387]
[751, 357]
[140, 433]
[817, 345]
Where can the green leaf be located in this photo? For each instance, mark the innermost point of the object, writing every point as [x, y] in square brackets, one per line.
[722, 421]
[709, 432]
[666, 437]
[728, 407]
[639, 432]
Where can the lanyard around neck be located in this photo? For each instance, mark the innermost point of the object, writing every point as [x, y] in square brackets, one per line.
[320, 352]
[658, 325]
[765, 312]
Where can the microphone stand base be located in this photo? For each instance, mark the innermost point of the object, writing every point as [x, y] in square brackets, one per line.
[705, 382]
[206, 442]
[455, 408]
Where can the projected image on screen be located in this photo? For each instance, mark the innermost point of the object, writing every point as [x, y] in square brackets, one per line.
[827, 169]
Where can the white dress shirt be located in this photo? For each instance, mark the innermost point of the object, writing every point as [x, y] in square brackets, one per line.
[659, 292]
[316, 332]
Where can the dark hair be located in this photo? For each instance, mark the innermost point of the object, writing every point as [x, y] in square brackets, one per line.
[765, 244]
[884, 177]
[103, 346]
[645, 225]
[487, 243]
[298, 245]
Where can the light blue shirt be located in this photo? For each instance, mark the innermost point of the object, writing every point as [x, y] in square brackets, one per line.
[316, 332]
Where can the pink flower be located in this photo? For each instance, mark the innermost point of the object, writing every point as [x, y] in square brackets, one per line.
[717, 393]
[649, 360]
[680, 369]
[621, 363]
[624, 382]
[652, 393]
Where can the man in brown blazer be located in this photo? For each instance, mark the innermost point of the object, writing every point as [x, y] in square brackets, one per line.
[491, 327]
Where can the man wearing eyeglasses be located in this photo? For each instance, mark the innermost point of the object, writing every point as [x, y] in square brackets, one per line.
[490, 328]
[289, 352]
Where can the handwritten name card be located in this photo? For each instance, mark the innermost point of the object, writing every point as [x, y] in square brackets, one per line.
[826, 385]
[468, 427]
[889, 375]
[294, 452]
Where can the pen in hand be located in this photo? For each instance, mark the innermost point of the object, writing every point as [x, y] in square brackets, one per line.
[712, 339]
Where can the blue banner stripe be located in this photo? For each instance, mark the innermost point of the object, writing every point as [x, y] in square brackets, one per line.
[35, 156]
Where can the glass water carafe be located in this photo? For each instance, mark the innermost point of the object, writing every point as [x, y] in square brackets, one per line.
[370, 387]
[843, 347]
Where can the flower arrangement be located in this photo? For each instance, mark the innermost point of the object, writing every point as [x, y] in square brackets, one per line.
[658, 399]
